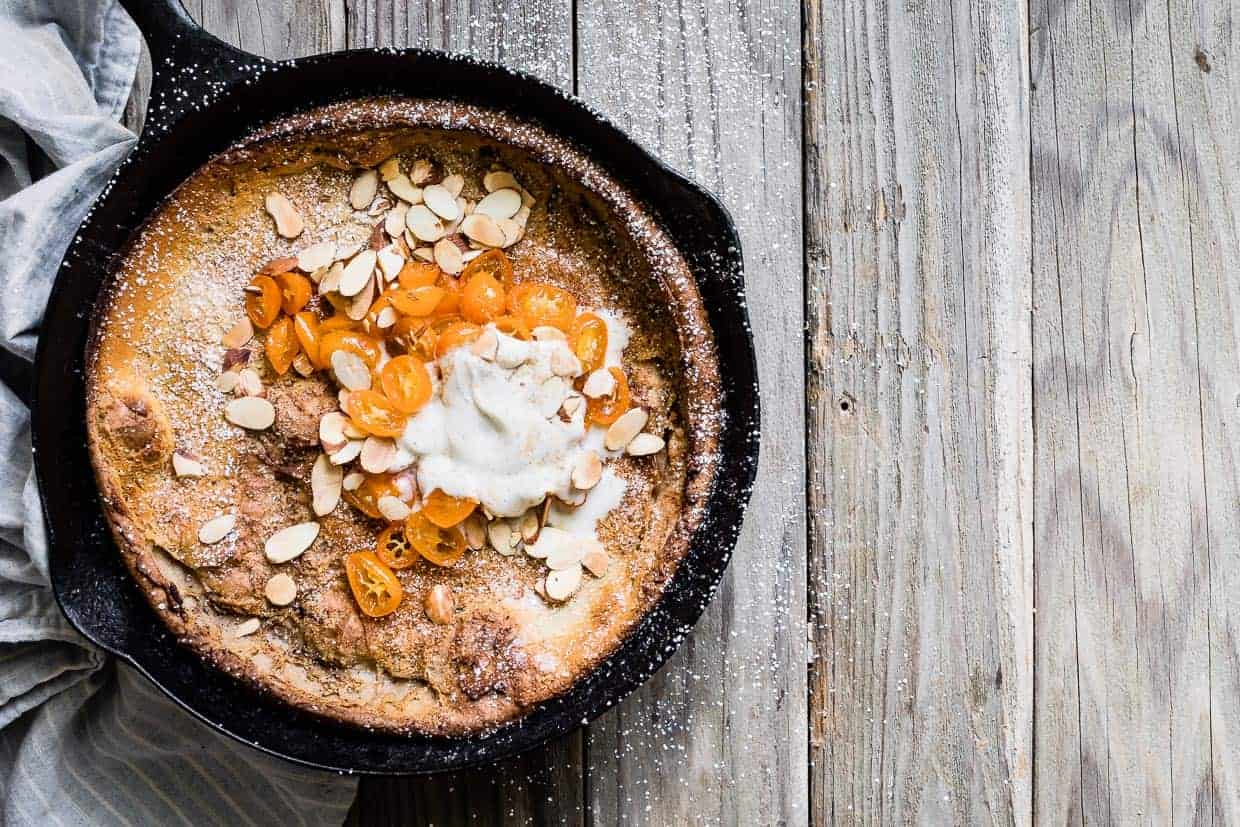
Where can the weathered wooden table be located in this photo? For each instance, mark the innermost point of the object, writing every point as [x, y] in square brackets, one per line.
[992, 254]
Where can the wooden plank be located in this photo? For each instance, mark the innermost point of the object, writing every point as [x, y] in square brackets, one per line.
[277, 29]
[1135, 381]
[545, 786]
[920, 474]
[719, 736]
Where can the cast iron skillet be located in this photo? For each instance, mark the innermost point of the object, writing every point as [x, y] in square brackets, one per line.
[205, 95]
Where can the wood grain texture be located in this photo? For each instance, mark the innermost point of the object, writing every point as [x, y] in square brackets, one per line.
[1135, 367]
[920, 477]
[719, 735]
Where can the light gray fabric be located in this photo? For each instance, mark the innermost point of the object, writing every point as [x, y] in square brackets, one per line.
[84, 740]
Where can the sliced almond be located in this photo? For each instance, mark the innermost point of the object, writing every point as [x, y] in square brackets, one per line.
[350, 370]
[365, 188]
[600, 383]
[440, 605]
[621, 432]
[288, 220]
[377, 454]
[390, 263]
[303, 365]
[406, 486]
[290, 543]
[184, 465]
[389, 169]
[326, 480]
[513, 231]
[331, 280]
[357, 272]
[379, 206]
[421, 171]
[353, 481]
[596, 560]
[216, 529]
[499, 179]
[483, 229]
[281, 589]
[239, 334]
[424, 224]
[644, 445]
[441, 202]
[564, 363]
[587, 470]
[346, 454]
[470, 255]
[564, 583]
[393, 509]
[316, 256]
[530, 527]
[250, 412]
[386, 318]
[426, 254]
[502, 203]
[572, 404]
[547, 333]
[448, 256]
[575, 499]
[331, 431]
[486, 345]
[405, 190]
[475, 530]
[249, 383]
[401, 460]
[453, 184]
[394, 221]
[227, 381]
[550, 396]
[350, 430]
[246, 627]
[527, 200]
[501, 536]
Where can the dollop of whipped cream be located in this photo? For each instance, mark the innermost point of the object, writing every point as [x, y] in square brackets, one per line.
[493, 429]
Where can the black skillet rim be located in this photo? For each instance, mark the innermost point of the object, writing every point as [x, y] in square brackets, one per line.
[280, 730]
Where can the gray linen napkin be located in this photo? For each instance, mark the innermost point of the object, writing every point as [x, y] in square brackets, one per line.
[82, 739]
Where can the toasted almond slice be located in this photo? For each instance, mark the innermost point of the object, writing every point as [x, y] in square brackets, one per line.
[564, 363]
[440, 605]
[513, 232]
[390, 263]
[246, 627]
[564, 583]
[475, 530]
[289, 543]
[377, 454]
[441, 202]
[486, 345]
[547, 333]
[499, 179]
[502, 203]
[360, 304]
[288, 220]
[501, 536]
[565, 555]
[531, 527]
[401, 460]
[227, 381]
[573, 404]
[644, 445]
[622, 431]
[448, 256]
[350, 370]
[587, 470]
[331, 431]
[405, 190]
[325, 484]
[216, 529]
[331, 280]
[379, 206]
[385, 319]
[550, 396]
[575, 499]
[365, 188]
[470, 255]
[599, 383]
[184, 465]
[421, 171]
[357, 272]
[281, 589]
[239, 334]
[595, 560]
[483, 229]
[424, 224]
[353, 481]
[351, 450]
[316, 256]
[249, 383]
[453, 184]
[350, 430]
[303, 365]
[527, 201]
[394, 221]
[392, 508]
[251, 412]
[390, 168]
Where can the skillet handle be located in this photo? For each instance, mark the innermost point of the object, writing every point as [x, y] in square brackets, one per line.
[190, 65]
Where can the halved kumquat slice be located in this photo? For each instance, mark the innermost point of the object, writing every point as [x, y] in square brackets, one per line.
[445, 510]
[281, 345]
[262, 301]
[406, 383]
[374, 413]
[374, 585]
[295, 292]
[605, 410]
